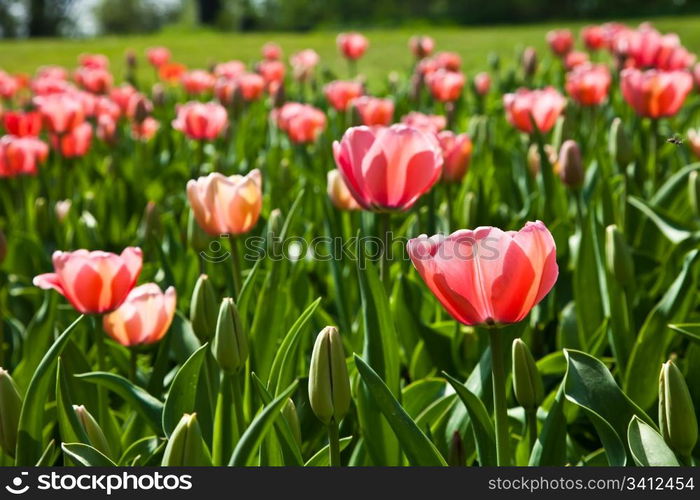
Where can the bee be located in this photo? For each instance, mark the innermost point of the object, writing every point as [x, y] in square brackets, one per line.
[675, 139]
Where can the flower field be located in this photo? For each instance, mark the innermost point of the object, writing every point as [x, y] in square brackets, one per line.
[295, 259]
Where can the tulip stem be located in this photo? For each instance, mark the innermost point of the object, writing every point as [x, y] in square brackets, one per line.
[334, 443]
[238, 404]
[385, 234]
[531, 419]
[235, 266]
[499, 397]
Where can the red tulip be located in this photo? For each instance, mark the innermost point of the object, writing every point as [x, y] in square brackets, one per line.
[230, 69]
[106, 106]
[93, 282]
[139, 107]
[645, 47]
[431, 124]
[352, 45]
[339, 193]
[22, 124]
[301, 122]
[201, 121]
[271, 51]
[52, 72]
[272, 72]
[482, 83]
[226, 205]
[593, 37]
[446, 86]
[250, 86]
[95, 80]
[448, 60]
[21, 155]
[94, 61]
[575, 58]
[543, 105]
[121, 95]
[456, 153]
[8, 85]
[560, 41]
[143, 318]
[373, 110]
[339, 93]
[421, 46]
[303, 64]
[106, 129]
[74, 143]
[158, 56]
[171, 72]
[655, 93]
[61, 112]
[488, 276]
[145, 130]
[388, 168]
[197, 82]
[588, 84]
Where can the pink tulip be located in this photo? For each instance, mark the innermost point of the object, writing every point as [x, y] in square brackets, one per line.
[543, 105]
[74, 143]
[197, 82]
[450, 61]
[445, 86]
[42, 86]
[339, 193]
[8, 85]
[301, 122]
[560, 41]
[52, 72]
[143, 318]
[93, 282]
[456, 153]
[158, 56]
[230, 69]
[339, 93]
[696, 75]
[593, 37]
[106, 129]
[272, 72]
[303, 64]
[575, 58]
[271, 51]
[94, 61]
[588, 84]
[694, 141]
[431, 124]
[201, 121]
[421, 46]
[21, 155]
[655, 93]
[352, 45]
[95, 80]
[226, 205]
[121, 95]
[61, 112]
[250, 86]
[388, 168]
[22, 124]
[106, 106]
[145, 130]
[487, 276]
[373, 110]
[482, 83]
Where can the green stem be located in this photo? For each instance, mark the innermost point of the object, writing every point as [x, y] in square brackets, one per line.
[238, 404]
[531, 419]
[133, 359]
[653, 153]
[235, 266]
[448, 197]
[225, 434]
[385, 234]
[499, 397]
[334, 443]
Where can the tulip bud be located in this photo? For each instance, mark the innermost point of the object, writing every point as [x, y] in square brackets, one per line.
[130, 59]
[694, 192]
[527, 381]
[279, 97]
[619, 144]
[230, 344]
[274, 231]
[186, 446]
[150, 225]
[203, 308]
[533, 158]
[618, 258]
[329, 385]
[529, 61]
[196, 237]
[570, 164]
[3, 246]
[142, 109]
[92, 429]
[62, 209]
[289, 411]
[456, 457]
[10, 408]
[679, 426]
[158, 94]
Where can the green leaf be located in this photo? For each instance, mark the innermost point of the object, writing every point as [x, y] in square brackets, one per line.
[322, 457]
[258, 429]
[484, 433]
[647, 446]
[415, 444]
[40, 330]
[48, 458]
[550, 447]
[31, 420]
[70, 428]
[141, 450]
[84, 454]
[690, 330]
[183, 390]
[671, 229]
[145, 404]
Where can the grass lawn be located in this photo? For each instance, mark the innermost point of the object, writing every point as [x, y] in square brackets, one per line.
[388, 47]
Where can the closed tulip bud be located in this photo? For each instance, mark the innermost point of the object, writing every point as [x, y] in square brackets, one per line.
[570, 164]
[203, 308]
[62, 209]
[92, 429]
[289, 411]
[158, 95]
[527, 381]
[3, 246]
[150, 225]
[142, 109]
[679, 426]
[274, 232]
[130, 59]
[693, 192]
[457, 457]
[10, 407]
[619, 144]
[529, 61]
[329, 385]
[186, 446]
[230, 345]
[196, 237]
[618, 258]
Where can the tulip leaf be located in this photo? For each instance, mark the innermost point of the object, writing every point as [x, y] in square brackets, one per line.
[147, 406]
[48, 458]
[70, 428]
[647, 446]
[141, 450]
[671, 229]
[258, 428]
[414, 443]
[247, 291]
[86, 455]
[690, 330]
[31, 420]
[322, 457]
[183, 391]
[550, 447]
[420, 394]
[40, 330]
[484, 433]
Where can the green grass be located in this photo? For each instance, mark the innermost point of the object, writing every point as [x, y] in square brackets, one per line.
[387, 52]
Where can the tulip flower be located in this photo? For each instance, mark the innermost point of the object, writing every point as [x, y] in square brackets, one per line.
[303, 64]
[226, 205]
[694, 141]
[106, 129]
[421, 46]
[22, 124]
[570, 164]
[93, 61]
[446, 86]
[352, 45]
[145, 130]
[588, 84]
[61, 112]
[456, 153]
[653, 93]
[251, 85]
[143, 318]
[593, 37]
[482, 83]
[529, 61]
[95, 80]
[171, 72]
[388, 169]
[121, 95]
[542, 105]
[8, 85]
[93, 282]
[229, 69]
[271, 51]
[301, 122]
[431, 124]
[272, 72]
[374, 110]
[74, 143]
[449, 61]
[105, 106]
[201, 121]
[339, 193]
[197, 82]
[339, 93]
[158, 56]
[575, 58]
[560, 41]
[21, 155]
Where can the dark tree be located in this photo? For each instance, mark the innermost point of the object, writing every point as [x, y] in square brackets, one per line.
[209, 11]
[47, 17]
